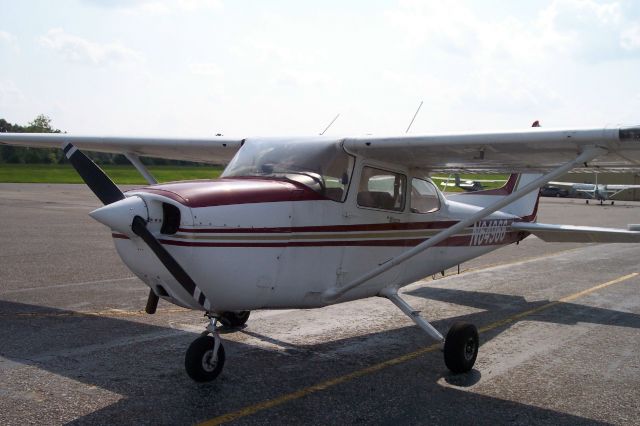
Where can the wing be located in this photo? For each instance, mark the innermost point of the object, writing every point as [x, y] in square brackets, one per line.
[532, 149]
[565, 184]
[577, 234]
[473, 180]
[621, 187]
[207, 150]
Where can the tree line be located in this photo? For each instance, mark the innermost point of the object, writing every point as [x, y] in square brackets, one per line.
[43, 124]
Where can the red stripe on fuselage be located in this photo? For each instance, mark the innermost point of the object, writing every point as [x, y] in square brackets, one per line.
[330, 228]
[460, 240]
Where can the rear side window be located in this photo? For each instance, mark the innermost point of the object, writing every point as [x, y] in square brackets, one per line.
[381, 189]
[424, 197]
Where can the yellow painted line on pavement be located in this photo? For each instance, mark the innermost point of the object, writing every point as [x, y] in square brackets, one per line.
[565, 299]
[252, 409]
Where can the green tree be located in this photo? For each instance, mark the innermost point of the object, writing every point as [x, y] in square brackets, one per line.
[15, 154]
[43, 124]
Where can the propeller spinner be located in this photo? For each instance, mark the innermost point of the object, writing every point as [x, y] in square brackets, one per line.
[117, 214]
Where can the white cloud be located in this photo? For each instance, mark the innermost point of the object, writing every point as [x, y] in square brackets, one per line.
[594, 31]
[583, 29]
[206, 69]
[630, 38]
[10, 95]
[79, 50]
[6, 37]
[158, 6]
[9, 39]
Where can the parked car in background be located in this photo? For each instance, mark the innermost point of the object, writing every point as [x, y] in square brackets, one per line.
[553, 191]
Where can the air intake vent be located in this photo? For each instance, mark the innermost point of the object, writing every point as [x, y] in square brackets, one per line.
[170, 219]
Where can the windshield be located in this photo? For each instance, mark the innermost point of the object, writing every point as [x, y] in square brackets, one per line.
[321, 165]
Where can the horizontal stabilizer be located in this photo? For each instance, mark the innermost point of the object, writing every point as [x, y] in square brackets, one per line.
[577, 234]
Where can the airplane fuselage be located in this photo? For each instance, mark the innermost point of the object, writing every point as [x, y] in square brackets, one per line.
[254, 243]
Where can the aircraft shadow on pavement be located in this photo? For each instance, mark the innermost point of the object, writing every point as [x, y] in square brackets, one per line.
[144, 364]
[506, 305]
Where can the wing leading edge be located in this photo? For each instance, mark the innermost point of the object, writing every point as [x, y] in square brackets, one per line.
[207, 150]
[530, 150]
[577, 234]
[533, 149]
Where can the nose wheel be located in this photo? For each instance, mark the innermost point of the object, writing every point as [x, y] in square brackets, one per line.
[202, 361]
[205, 356]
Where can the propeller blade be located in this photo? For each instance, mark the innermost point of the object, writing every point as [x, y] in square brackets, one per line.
[139, 227]
[93, 176]
[152, 303]
[109, 193]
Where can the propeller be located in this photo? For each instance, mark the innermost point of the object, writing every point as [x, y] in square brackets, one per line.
[117, 206]
[95, 178]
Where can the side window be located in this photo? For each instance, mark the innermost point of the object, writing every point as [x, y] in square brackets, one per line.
[381, 189]
[424, 196]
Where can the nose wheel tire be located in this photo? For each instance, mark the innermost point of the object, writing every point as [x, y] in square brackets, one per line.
[461, 347]
[201, 363]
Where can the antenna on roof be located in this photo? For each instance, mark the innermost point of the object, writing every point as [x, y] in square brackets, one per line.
[414, 116]
[332, 121]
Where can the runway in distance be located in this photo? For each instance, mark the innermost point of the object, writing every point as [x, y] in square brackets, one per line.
[305, 222]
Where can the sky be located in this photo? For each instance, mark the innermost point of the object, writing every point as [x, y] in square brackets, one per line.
[255, 68]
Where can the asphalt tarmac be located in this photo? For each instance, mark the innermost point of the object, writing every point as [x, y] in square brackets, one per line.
[560, 332]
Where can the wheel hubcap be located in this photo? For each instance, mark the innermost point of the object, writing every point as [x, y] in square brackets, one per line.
[469, 349]
[209, 361]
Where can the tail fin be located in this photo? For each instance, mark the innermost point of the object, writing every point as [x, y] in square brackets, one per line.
[526, 207]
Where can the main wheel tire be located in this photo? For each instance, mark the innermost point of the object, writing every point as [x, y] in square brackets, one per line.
[461, 347]
[200, 362]
[234, 319]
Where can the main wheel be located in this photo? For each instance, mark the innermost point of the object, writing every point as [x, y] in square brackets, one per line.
[234, 319]
[201, 363]
[461, 347]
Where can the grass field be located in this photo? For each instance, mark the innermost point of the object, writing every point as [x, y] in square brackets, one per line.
[64, 173]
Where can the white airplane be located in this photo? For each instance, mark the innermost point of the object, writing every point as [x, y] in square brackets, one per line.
[308, 222]
[595, 191]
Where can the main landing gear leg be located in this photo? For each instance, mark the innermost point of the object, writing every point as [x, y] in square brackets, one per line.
[205, 356]
[460, 346]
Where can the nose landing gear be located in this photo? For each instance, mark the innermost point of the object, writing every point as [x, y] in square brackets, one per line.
[205, 357]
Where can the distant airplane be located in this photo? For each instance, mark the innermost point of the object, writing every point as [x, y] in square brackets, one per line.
[467, 185]
[595, 191]
[600, 192]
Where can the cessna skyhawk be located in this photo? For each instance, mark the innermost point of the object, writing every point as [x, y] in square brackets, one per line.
[308, 222]
[600, 192]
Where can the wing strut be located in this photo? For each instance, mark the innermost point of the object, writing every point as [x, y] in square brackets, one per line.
[587, 155]
[140, 167]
